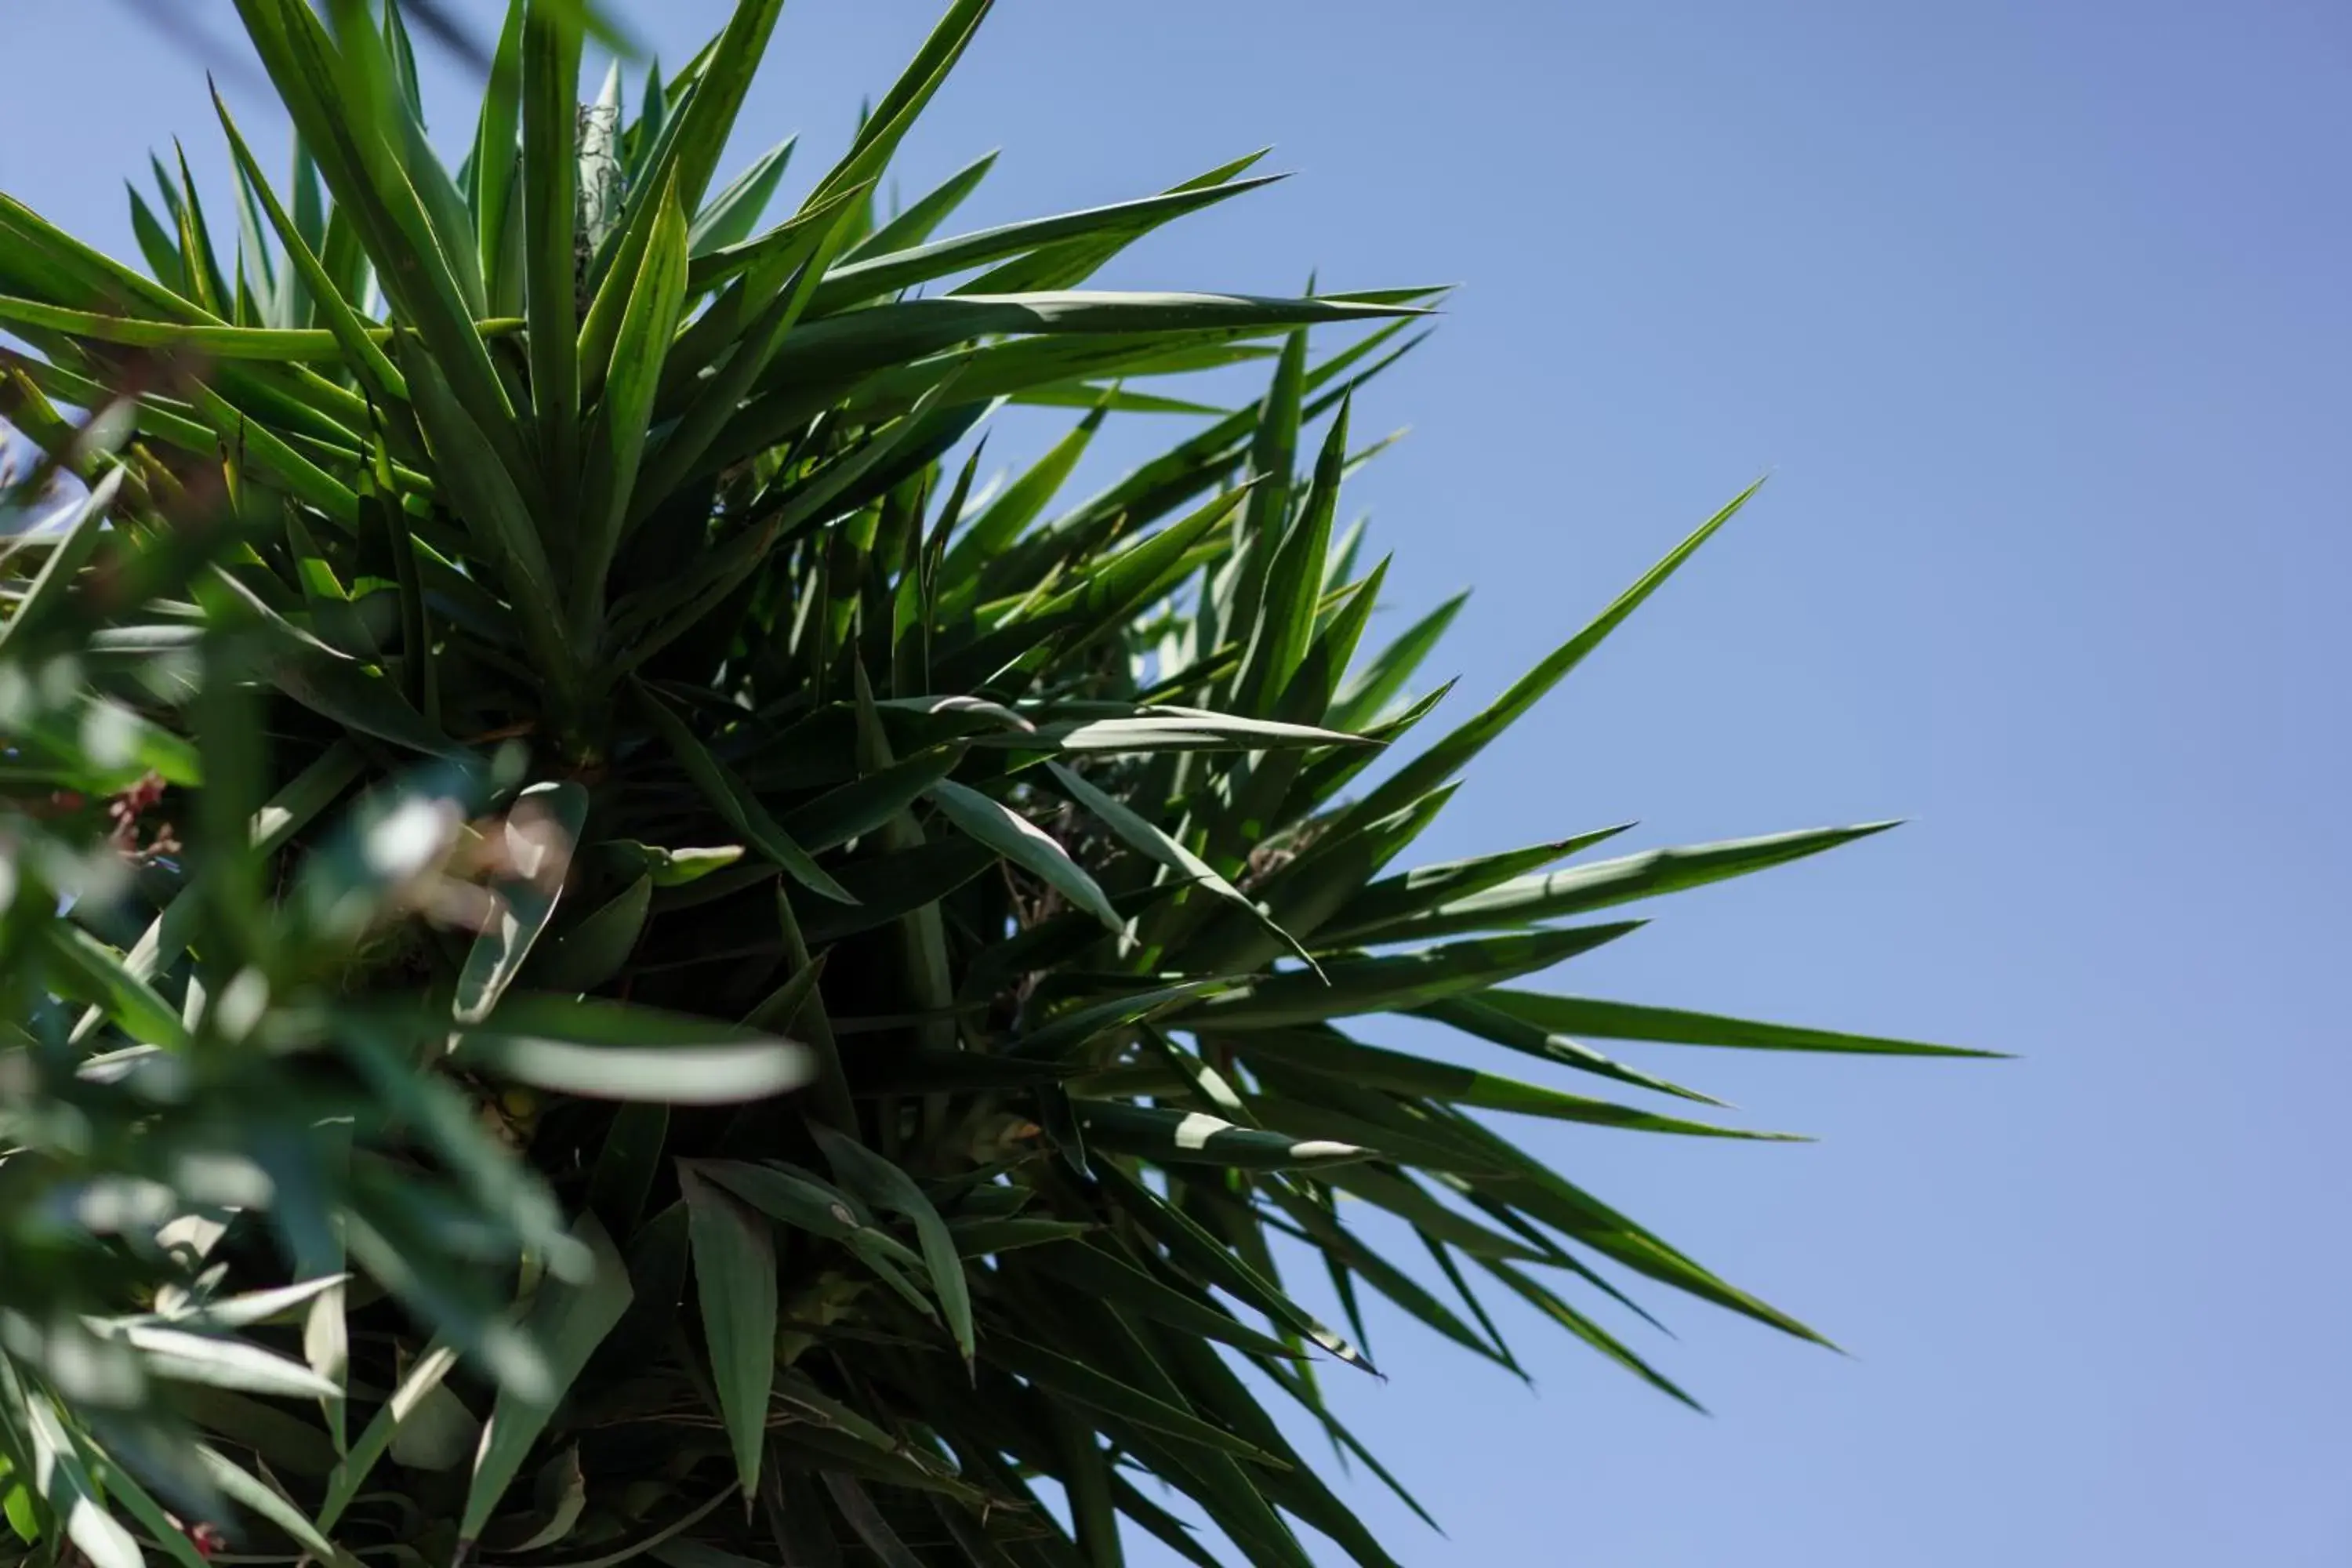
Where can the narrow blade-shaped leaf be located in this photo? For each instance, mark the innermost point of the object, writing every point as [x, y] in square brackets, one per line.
[735, 1279]
[1452, 753]
[1631, 1021]
[1171, 1136]
[617, 439]
[887, 1186]
[1027, 846]
[1149, 840]
[737, 804]
[568, 1322]
[1425, 888]
[1525, 900]
[1398, 1072]
[734, 212]
[550, 75]
[1358, 985]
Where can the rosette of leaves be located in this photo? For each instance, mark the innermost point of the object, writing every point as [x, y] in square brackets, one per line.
[610, 957]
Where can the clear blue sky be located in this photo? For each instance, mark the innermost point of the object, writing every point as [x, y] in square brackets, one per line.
[2038, 315]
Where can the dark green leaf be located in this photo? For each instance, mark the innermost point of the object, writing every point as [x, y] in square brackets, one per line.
[1098, 1273]
[1199, 1254]
[1149, 840]
[596, 949]
[1629, 1021]
[736, 804]
[1451, 754]
[885, 1186]
[1525, 900]
[1481, 1015]
[1425, 888]
[735, 1278]
[1335, 1054]
[1397, 983]
[734, 213]
[881, 266]
[1075, 1379]
[1180, 1137]
[568, 1322]
[1027, 846]
[617, 434]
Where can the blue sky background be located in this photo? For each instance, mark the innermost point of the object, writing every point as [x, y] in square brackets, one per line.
[2037, 313]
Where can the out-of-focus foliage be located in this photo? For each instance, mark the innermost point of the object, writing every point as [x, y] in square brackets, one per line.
[604, 956]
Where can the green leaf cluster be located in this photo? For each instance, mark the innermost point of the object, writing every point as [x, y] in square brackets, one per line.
[606, 955]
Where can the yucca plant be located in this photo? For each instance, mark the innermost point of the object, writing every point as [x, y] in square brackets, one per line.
[607, 956]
